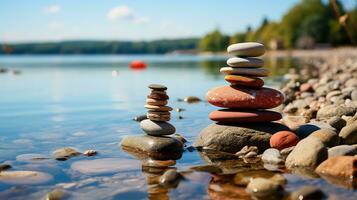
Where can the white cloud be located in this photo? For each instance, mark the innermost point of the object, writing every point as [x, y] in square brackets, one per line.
[125, 13]
[53, 9]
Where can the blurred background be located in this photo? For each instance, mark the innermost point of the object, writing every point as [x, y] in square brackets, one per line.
[141, 27]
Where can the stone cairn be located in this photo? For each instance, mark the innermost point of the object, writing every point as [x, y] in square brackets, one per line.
[246, 98]
[158, 112]
[244, 102]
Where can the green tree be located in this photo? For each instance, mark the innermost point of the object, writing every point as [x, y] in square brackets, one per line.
[214, 42]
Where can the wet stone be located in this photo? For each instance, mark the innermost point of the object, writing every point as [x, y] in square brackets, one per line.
[170, 179]
[232, 138]
[262, 187]
[159, 148]
[4, 166]
[24, 177]
[191, 99]
[243, 178]
[307, 193]
[56, 194]
[90, 152]
[65, 153]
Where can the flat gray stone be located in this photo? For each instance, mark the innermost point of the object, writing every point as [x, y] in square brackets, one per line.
[157, 128]
[342, 150]
[161, 148]
[65, 153]
[246, 49]
[232, 138]
[245, 62]
[309, 152]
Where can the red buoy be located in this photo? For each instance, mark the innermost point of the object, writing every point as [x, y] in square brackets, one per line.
[138, 65]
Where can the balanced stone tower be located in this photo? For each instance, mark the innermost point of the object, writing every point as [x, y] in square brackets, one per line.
[157, 142]
[244, 120]
[158, 112]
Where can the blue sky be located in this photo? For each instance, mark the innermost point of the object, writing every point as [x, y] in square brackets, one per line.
[47, 20]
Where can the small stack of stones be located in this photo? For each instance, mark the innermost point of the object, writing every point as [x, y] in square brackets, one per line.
[246, 98]
[158, 112]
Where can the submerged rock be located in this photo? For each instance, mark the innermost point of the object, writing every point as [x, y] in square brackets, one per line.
[24, 177]
[309, 152]
[307, 193]
[56, 194]
[232, 138]
[243, 178]
[104, 165]
[170, 179]
[65, 153]
[4, 166]
[207, 168]
[160, 148]
[191, 99]
[265, 188]
[32, 157]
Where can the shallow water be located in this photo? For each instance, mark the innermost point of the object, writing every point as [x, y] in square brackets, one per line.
[88, 102]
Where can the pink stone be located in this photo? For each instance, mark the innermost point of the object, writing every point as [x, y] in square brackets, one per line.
[244, 97]
[283, 139]
[229, 115]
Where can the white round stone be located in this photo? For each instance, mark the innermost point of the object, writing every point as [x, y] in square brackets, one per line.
[157, 128]
[246, 49]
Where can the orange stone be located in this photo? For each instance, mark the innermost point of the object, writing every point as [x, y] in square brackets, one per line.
[229, 115]
[244, 97]
[244, 80]
[283, 139]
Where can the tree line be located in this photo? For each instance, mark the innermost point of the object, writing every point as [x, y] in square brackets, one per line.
[306, 25]
[101, 47]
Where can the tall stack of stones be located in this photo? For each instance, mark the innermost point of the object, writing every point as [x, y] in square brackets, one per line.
[244, 120]
[158, 112]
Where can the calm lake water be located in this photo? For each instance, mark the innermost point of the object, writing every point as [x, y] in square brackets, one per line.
[88, 102]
